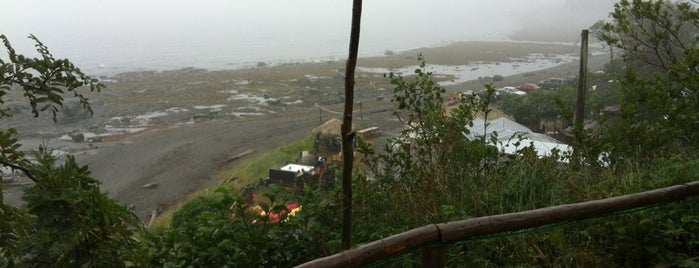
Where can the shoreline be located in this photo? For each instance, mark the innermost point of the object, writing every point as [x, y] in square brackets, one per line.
[181, 153]
[442, 54]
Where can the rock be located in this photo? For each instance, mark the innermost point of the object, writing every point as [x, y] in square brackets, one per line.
[201, 116]
[78, 137]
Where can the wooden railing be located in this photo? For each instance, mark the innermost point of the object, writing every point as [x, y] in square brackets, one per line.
[445, 233]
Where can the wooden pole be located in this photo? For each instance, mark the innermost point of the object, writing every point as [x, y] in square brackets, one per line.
[434, 257]
[347, 135]
[361, 112]
[582, 84]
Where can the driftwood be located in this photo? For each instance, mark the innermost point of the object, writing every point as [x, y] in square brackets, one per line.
[235, 157]
[455, 231]
[151, 185]
[153, 215]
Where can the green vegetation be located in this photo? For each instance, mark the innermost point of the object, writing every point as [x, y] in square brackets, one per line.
[221, 230]
[247, 173]
[250, 171]
[429, 173]
[67, 221]
[544, 107]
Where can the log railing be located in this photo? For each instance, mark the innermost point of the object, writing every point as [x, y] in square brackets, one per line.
[445, 233]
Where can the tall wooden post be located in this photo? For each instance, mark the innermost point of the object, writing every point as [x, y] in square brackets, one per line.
[361, 112]
[434, 257]
[582, 85]
[347, 135]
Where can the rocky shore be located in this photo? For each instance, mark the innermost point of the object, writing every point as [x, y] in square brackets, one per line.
[157, 137]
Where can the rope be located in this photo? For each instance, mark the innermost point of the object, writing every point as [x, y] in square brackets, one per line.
[328, 110]
[575, 46]
[333, 112]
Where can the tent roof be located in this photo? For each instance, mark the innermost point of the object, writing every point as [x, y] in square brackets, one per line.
[502, 126]
[510, 133]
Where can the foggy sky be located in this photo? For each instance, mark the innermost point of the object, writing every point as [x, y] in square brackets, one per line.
[131, 28]
[438, 18]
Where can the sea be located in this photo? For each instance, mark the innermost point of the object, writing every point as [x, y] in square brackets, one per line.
[109, 37]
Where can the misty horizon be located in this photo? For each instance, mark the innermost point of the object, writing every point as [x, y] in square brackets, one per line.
[115, 36]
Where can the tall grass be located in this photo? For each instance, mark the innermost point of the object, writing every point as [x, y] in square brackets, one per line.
[519, 183]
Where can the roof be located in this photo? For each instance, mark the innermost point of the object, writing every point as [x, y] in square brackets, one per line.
[512, 136]
[542, 148]
[504, 127]
[297, 168]
[332, 127]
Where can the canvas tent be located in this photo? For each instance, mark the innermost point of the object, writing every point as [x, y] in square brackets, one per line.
[511, 137]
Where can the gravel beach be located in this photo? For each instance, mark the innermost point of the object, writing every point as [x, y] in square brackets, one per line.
[157, 137]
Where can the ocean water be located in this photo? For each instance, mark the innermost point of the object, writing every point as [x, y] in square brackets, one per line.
[110, 36]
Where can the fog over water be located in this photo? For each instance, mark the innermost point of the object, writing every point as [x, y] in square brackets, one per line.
[111, 36]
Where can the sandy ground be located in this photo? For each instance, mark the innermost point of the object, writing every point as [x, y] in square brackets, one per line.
[184, 136]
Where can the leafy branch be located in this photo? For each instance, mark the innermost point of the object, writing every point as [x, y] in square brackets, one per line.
[44, 79]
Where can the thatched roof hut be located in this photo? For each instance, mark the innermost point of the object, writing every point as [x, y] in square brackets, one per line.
[331, 128]
[328, 136]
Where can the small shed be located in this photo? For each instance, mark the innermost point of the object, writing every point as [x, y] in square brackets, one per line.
[298, 168]
[287, 175]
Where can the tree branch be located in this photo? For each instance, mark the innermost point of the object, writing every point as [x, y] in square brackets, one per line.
[24, 170]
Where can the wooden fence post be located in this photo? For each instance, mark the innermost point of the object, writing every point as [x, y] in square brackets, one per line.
[434, 256]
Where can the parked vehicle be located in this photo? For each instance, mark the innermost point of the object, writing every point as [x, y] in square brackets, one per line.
[528, 87]
[511, 90]
[553, 83]
[484, 92]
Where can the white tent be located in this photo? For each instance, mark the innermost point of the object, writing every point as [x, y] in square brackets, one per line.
[512, 137]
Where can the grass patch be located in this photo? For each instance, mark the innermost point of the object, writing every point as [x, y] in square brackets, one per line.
[249, 172]
[246, 173]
